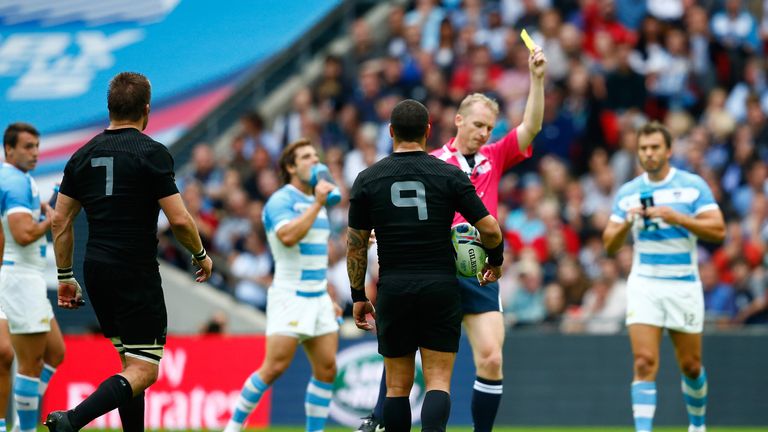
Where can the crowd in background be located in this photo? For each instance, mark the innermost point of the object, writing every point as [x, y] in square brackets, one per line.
[696, 66]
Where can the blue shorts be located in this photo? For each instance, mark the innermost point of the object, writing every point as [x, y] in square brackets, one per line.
[476, 298]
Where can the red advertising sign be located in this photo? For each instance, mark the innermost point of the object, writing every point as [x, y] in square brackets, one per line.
[200, 380]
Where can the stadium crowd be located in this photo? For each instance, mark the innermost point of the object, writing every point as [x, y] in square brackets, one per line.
[696, 66]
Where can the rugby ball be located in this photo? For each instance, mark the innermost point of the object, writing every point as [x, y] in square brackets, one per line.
[468, 249]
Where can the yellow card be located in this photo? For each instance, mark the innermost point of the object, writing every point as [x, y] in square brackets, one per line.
[529, 43]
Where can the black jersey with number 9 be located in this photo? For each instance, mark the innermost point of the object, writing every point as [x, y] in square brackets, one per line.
[410, 199]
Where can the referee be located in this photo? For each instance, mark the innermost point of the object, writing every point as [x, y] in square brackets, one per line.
[410, 199]
[122, 178]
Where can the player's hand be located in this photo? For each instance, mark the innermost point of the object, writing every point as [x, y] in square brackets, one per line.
[489, 274]
[359, 312]
[205, 267]
[338, 312]
[633, 215]
[47, 210]
[667, 214]
[70, 294]
[537, 63]
[322, 189]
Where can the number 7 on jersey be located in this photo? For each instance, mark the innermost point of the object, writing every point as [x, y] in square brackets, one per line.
[108, 163]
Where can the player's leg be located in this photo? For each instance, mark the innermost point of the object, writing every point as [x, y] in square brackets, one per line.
[685, 321]
[398, 321]
[131, 412]
[6, 362]
[54, 355]
[373, 422]
[645, 340]
[397, 406]
[486, 337]
[129, 305]
[25, 302]
[694, 377]
[321, 352]
[279, 354]
[438, 368]
[439, 331]
[29, 350]
[484, 324]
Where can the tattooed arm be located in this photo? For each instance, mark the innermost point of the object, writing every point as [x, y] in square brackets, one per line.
[357, 264]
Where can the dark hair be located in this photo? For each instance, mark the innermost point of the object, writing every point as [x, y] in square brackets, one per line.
[128, 95]
[409, 120]
[254, 118]
[12, 132]
[288, 157]
[654, 127]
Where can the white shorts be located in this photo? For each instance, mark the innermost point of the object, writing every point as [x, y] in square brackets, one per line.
[301, 317]
[675, 305]
[24, 300]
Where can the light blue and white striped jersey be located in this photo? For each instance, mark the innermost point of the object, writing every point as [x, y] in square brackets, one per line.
[19, 194]
[667, 252]
[302, 267]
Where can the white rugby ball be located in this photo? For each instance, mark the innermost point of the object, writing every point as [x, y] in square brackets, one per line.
[468, 249]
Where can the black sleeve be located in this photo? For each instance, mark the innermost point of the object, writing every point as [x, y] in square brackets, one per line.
[67, 186]
[160, 170]
[359, 210]
[469, 204]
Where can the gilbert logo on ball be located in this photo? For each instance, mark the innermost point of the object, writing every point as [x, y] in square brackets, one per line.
[468, 249]
[357, 384]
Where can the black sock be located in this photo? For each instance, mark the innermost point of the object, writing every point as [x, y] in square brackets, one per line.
[397, 414]
[132, 414]
[435, 411]
[111, 393]
[378, 410]
[485, 403]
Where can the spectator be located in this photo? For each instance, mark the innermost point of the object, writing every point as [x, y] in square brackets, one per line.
[719, 297]
[252, 268]
[527, 304]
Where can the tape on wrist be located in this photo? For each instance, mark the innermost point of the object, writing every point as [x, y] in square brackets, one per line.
[65, 273]
[496, 255]
[200, 255]
[358, 295]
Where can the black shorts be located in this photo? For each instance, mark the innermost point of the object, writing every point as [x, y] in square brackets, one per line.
[128, 301]
[413, 313]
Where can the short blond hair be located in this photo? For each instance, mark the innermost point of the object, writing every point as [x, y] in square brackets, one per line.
[478, 98]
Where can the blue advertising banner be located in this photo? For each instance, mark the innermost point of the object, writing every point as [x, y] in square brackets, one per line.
[56, 57]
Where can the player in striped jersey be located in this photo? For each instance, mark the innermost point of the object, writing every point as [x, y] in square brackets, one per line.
[299, 308]
[35, 333]
[666, 210]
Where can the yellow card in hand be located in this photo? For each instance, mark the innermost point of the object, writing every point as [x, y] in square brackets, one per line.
[529, 43]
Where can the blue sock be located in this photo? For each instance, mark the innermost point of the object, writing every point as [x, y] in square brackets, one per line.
[45, 378]
[486, 397]
[695, 395]
[316, 404]
[2, 425]
[25, 393]
[250, 395]
[643, 404]
[378, 410]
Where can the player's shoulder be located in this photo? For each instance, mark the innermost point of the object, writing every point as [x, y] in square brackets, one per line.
[631, 187]
[11, 176]
[280, 197]
[687, 178]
